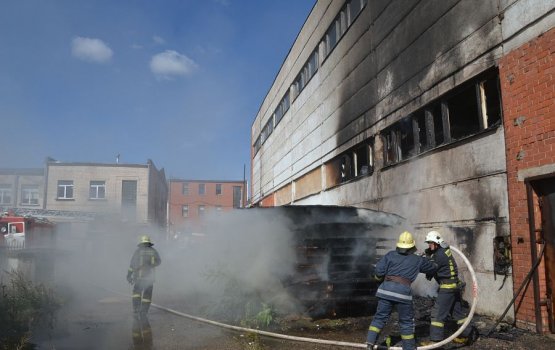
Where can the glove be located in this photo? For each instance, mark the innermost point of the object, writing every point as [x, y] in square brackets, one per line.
[130, 277]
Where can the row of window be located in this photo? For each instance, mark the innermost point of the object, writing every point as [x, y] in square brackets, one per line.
[202, 189]
[201, 210]
[97, 189]
[29, 194]
[344, 19]
[468, 110]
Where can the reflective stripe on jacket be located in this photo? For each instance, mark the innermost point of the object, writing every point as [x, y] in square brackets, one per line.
[143, 262]
[406, 266]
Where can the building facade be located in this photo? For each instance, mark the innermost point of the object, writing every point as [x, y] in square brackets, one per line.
[191, 200]
[401, 107]
[133, 192]
[22, 188]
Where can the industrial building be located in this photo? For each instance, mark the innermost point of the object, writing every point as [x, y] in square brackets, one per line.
[438, 111]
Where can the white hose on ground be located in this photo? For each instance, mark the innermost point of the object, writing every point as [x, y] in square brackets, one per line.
[341, 343]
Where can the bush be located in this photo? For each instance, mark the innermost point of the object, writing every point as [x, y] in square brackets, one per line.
[24, 305]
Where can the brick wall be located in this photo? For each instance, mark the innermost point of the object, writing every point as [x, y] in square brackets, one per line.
[527, 84]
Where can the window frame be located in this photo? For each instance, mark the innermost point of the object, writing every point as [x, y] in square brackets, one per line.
[98, 186]
[66, 186]
[203, 191]
[6, 189]
[30, 189]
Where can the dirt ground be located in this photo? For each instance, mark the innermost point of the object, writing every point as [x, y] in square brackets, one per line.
[102, 321]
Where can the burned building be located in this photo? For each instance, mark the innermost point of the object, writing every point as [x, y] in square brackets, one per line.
[414, 108]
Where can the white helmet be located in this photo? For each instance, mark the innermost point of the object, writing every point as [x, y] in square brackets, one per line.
[434, 237]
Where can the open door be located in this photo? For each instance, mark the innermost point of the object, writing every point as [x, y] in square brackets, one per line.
[545, 189]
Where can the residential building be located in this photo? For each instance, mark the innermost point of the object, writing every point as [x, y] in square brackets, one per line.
[438, 111]
[22, 188]
[133, 192]
[190, 200]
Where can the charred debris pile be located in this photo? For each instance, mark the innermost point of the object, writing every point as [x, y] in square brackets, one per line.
[336, 249]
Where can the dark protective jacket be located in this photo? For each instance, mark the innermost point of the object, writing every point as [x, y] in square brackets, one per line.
[397, 268]
[143, 262]
[447, 275]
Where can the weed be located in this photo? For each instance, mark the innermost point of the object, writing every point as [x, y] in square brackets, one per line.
[24, 305]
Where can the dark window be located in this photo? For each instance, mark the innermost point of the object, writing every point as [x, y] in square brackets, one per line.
[185, 189]
[218, 188]
[463, 113]
[493, 101]
[201, 189]
[437, 118]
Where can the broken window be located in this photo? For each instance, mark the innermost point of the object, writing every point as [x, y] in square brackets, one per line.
[491, 102]
[469, 110]
[463, 114]
[355, 162]
[363, 160]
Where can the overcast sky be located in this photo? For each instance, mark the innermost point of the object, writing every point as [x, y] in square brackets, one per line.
[175, 81]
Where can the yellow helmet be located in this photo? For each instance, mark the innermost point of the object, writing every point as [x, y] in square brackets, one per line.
[145, 239]
[405, 240]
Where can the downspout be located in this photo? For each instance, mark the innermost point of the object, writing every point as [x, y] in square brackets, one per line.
[534, 254]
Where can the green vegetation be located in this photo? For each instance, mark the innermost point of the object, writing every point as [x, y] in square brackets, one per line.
[24, 305]
[239, 303]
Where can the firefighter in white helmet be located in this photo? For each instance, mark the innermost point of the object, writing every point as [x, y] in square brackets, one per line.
[449, 299]
[397, 270]
[141, 274]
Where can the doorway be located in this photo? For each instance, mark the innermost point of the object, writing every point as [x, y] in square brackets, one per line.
[545, 190]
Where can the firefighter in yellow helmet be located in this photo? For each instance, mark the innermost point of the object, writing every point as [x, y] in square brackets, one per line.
[141, 274]
[397, 270]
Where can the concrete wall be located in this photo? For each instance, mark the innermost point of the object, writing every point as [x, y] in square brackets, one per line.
[18, 178]
[398, 56]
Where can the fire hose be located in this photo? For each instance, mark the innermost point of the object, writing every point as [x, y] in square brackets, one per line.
[341, 343]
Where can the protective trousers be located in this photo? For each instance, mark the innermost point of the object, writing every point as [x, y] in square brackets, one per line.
[447, 303]
[142, 296]
[406, 322]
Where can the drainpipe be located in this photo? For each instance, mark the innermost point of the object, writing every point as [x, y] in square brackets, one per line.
[534, 253]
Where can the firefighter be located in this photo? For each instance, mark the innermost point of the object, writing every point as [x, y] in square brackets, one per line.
[141, 274]
[397, 270]
[449, 298]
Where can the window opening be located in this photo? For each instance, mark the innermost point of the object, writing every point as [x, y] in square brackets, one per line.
[65, 189]
[30, 195]
[201, 189]
[185, 211]
[218, 188]
[97, 190]
[463, 113]
[5, 194]
[185, 189]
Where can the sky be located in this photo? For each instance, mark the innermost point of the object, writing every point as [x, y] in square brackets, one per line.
[175, 81]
